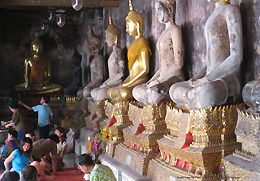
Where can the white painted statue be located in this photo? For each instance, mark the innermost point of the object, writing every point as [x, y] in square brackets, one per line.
[169, 47]
[96, 67]
[251, 95]
[115, 64]
[219, 81]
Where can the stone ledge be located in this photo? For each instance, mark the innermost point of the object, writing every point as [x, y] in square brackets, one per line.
[121, 171]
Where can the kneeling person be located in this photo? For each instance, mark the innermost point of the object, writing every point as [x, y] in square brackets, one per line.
[98, 171]
[43, 148]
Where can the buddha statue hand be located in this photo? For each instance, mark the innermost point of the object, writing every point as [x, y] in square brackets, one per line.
[158, 88]
[198, 82]
[153, 83]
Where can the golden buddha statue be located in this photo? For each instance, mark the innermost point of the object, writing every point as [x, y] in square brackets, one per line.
[138, 58]
[37, 71]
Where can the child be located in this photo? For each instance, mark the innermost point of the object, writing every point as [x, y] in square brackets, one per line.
[44, 115]
[62, 146]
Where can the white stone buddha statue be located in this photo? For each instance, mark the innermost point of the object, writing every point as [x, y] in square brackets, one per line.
[251, 95]
[169, 47]
[96, 66]
[115, 63]
[219, 81]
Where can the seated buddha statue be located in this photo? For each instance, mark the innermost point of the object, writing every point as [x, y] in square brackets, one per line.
[37, 71]
[138, 58]
[115, 63]
[169, 47]
[95, 65]
[251, 95]
[219, 81]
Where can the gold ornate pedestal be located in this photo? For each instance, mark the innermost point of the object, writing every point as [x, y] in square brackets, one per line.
[119, 113]
[110, 147]
[198, 141]
[142, 147]
[97, 115]
[117, 116]
[244, 163]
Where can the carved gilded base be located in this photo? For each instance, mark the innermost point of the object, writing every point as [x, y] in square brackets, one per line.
[117, 118]
[146, 143]
[161, 171]
[148, 127]
[197, 161]
[96, 107]
[134, 159]
[199, 139]
[248, 130]
[97, 115]
[110, 147]
[244, 163]
[239, 167]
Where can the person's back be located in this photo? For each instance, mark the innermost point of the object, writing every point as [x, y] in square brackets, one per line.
[43, 147]
[98, 172]
[102, 172]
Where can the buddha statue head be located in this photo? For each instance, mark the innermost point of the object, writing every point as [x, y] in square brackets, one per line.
[134, 22]
[221, 1]
[36, 46]
[94, 44]
[113, 34]
[165, 10]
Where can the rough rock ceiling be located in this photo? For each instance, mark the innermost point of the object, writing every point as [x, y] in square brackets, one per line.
[56, 3]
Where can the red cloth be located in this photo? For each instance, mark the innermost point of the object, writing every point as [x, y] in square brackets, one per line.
[140, 129]
[188, 141]
[112, 122]
[94, 116]
[67, 174]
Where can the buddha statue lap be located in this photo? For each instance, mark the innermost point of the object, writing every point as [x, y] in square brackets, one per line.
[96, 66]
[138, 59]
[219, 80]
[115, 63]
[251, 95]
[169, 47]
[37, 72]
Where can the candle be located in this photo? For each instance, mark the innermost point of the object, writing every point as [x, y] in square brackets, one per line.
[89, 145]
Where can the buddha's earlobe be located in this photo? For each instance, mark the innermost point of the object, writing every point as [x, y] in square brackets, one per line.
[116, 41]
[138, 29]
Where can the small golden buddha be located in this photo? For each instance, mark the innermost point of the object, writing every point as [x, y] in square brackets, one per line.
[37, 71]
[138, 58]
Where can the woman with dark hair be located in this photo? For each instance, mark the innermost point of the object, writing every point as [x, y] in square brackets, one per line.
[20, 157]
[62, 146]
